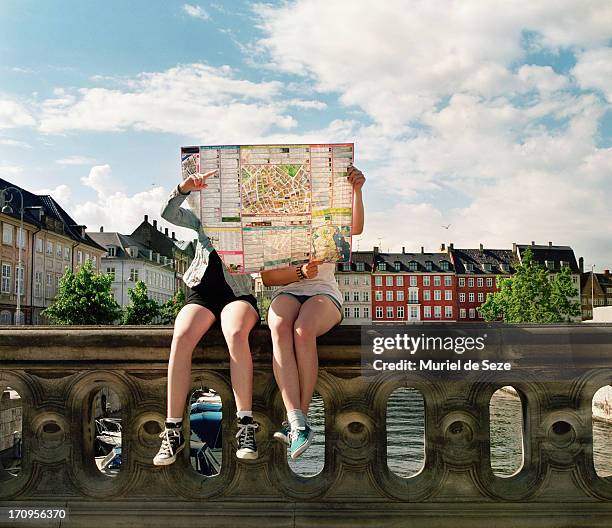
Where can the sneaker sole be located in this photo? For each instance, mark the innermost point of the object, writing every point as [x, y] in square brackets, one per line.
[281, 438]
[247, 455]
[168, 461]
[304, 446]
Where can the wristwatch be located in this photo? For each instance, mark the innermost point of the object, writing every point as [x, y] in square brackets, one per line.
[300, 273]
[178, 188]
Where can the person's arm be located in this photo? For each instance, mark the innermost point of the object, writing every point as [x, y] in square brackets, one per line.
[282, 276]
[356, 179]
[172, 210]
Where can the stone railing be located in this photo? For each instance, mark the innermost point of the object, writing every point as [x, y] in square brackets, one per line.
[57, 371]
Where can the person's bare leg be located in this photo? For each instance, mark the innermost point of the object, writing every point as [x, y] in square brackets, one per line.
[281, 317]
[318, 315]
[192, 322]
[237, 319]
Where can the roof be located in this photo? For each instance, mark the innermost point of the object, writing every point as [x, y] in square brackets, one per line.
[121, 242]
[53, 218]
[553, 254]
[420, 258]
[365, 257]
[477, 258]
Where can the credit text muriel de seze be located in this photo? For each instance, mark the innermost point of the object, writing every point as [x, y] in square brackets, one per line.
[413, 344]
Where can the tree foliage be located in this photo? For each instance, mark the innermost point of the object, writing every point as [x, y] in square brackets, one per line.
[141, 310]
[532, 296]
[83, 298]
[170, 309]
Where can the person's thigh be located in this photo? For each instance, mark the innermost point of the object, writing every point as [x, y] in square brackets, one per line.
[284, 310]
[192, 322]
[238, 316]
[318, 314]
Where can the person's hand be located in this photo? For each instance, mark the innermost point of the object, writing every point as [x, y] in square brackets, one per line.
[355, 177]
[311, 269]
[196, 182]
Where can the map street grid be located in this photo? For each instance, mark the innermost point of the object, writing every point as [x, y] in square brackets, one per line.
[270, 206]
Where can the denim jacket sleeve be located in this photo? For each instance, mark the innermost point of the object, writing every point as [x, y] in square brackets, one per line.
[180, 216]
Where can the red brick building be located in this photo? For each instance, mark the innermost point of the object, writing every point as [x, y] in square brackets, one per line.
[413, 287]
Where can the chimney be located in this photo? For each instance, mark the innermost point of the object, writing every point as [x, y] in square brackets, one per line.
[166, 231]
[607, 273]
[376, 250]
[422, 249]
[146, 218]
[403, 250]
[549, 244]
[155, 224]
[533, 242]
[581, 264]
[101, 229]
[451, 246]
[481, 247]
[442, 247]
[513, 247]
[173, 235]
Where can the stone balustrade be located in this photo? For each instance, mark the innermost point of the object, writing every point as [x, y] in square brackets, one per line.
[58, 370]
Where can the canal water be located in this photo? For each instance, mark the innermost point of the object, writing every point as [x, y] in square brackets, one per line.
[406, 429]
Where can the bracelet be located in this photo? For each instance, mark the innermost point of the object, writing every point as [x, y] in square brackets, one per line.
[300, 273]
[178, 188]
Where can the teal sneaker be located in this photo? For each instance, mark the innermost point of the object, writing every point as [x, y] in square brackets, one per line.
[301, 440]
[282, 435]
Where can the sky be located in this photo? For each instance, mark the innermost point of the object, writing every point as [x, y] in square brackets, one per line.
[473, 122]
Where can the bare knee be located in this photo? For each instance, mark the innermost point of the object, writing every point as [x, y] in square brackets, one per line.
[303, 333]
[236, 335]
[184, 341]
[280, 327]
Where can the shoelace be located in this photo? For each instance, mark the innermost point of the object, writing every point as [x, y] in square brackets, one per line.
[167, 447]
[293, 433]
[246, 434]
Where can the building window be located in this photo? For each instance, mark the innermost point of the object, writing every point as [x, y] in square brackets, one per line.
[444, 265]
[427, 312]
[412, 265]
[400, 312]
[462, 313]
[462, 297]
[398, 266]
[366, 281]
[448, 312]
[472, 313]
[111, 251]
[347, 312]
[382, 266]
[356, 296]
[461, 282]
[480, 282]
[356, 313]
[399, 280]
[427, 295]
[49, 286]
[360, 266]
[399, 294]
[390, 312]
[7, 234]
[389, 280]
[426, 280]
[366, 313]
[413, 280]
[428, 265]
[437, 295]
[86, 257]
[39, 245]
[379, 312]
[378, 295]
[469, 266]
[471, 297]
[94, 261]
[347, 296]
[133, 274]
[489, 282]
[414, 312]
[19, 280]
[437, 312]
[355, 280]
[437, 280]
[378, 280]
[58, 250]
[346, 266]
[38, 284]
[365, 296]
[111, 272]
[6, 278]
[471, 282]
[49, 248]
[66, 253]
[79, 257]
[346, 281]
[448, 280]
[389, 295]
[481, 297]
[21, 238]
[448, 295]
[6, 317]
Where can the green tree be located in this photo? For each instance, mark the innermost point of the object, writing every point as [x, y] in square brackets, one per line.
[83, 298]
[170, 309]
[141, 310]
[532, 296]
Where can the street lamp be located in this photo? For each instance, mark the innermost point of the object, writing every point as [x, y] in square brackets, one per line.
[7, 209]
[592, 291]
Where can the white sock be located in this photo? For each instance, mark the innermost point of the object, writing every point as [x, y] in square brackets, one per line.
[243, 414]
[296, 419]
[174, 420]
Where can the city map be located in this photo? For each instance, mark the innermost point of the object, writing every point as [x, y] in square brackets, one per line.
[270, 206]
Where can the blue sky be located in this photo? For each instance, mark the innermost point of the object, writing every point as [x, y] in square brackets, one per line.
[494, 118]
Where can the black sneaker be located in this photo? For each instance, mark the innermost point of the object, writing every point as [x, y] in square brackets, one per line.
[247, 447]
[172, 444]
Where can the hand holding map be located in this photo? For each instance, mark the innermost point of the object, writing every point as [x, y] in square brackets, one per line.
[311, 269]
[196, 182]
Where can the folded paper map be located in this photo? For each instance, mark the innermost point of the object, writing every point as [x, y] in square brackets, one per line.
[270, 206]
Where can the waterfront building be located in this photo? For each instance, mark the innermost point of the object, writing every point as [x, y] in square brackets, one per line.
[354, 280]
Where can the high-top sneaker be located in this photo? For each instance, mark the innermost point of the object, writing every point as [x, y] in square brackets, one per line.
[172, 444]
[247, 447]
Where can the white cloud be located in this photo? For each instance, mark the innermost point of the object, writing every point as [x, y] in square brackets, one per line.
[8, 170]
[13, 114]
[76, 160]
[196, 11]
[62, 194]
[193, 100]
[14, 143]
[594, 70]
